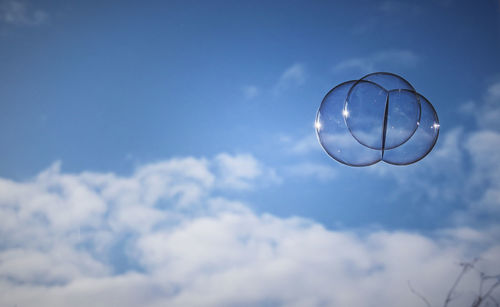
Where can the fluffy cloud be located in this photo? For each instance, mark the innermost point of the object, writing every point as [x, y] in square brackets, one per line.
[241, 171]
[467, 161]
[484, 151]
[65, 238]
[487, 110]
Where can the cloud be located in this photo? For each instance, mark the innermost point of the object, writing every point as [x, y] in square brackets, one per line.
[486, 111]
[19, 13]
[484, 149]
[185, 244]
[463, 170]
[300, 146]
[303, 167]
[240, 171]
[309, 169]
[400, 7]
[293, 76]
[379, 60]
[480, 147]
[436, 178]
[250, 92]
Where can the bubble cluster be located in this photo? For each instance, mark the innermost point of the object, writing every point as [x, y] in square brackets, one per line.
[378, 117]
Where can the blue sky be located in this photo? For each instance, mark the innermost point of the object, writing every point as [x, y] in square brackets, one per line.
[140, 135]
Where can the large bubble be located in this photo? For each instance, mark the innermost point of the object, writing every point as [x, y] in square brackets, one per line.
[378, 117]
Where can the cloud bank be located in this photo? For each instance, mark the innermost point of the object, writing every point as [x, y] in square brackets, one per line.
[166, 235]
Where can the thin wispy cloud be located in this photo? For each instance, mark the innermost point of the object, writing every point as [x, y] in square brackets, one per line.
[400, 7]
[322, 172]
[19, 13]
[300, 145]
[293, 76]
[379, 61]
[250, 92]
[394, 12]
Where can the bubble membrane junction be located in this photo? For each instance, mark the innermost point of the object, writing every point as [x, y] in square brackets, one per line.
[379, 117]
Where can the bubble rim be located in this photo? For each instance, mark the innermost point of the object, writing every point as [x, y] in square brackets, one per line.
[387, 93]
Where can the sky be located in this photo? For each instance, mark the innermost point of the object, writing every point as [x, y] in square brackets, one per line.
[164, 154]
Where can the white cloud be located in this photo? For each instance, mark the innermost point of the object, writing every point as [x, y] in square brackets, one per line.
[293, 76]
[294, 73]
[250, 92]
[487, 110]
[484, 149]
[438, 176]
[61, 234]
[463, 168]
[300, 145]
[306, 168]
[241, 171]
[310, 169]
[21, 14]
[305, 145]
[378, 61]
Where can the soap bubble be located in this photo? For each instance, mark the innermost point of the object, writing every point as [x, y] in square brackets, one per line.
[379, 117]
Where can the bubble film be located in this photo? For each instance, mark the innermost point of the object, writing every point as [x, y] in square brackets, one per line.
[379, 117]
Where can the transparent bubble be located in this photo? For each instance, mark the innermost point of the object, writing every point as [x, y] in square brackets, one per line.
[421, 142]
[334, 135]
[364, 113]
[379, 117]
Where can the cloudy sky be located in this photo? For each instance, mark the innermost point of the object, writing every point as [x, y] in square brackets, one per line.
[164, 154]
